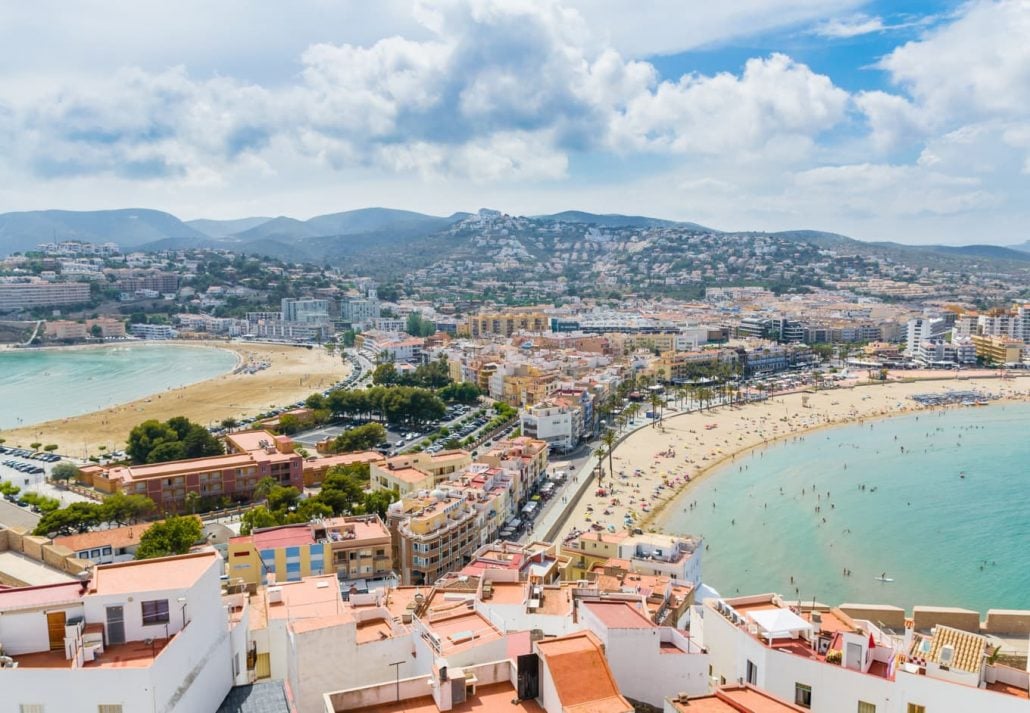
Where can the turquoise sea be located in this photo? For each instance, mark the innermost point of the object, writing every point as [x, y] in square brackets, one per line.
[891, 497]
[40, 385]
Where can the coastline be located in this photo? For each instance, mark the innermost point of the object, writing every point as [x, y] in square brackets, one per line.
[651, 482]
[293, 373]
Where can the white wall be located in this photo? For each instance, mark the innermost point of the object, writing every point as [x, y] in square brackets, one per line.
[645, 674]
[26, 631]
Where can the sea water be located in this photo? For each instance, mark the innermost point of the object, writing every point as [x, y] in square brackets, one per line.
[939, 502]
[43, 384]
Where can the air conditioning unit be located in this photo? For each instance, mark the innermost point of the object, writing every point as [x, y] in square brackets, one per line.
[275, 595]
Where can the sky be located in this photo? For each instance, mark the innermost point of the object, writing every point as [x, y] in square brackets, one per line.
[906, 120]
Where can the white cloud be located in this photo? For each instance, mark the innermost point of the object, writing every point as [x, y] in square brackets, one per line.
[853, 26]
[974, 68]
[775, 100]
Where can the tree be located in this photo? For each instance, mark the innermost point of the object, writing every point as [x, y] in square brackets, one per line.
[599, 454]
[348, 338]
[64, 471]
[120, 509]
[330, 347]
[282, 497]
[361, 438]
[384, 374]
[464, 392]
[257, 518]
[76, 518]
[229, 423]
[608, 438]
[96, 331]
[175, 439]
[35, 446]
[174, 536]
[50, 448]
[378, 501]
[192, 501]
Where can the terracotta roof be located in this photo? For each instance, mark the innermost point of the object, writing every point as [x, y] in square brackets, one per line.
[968, 648]
[179, 572]
[250, 440]
[619, 615]
[117, 537]
[581, 675]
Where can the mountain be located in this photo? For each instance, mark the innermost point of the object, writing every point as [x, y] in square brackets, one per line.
[222, 228]
[1022, 247]
[128, 227]
[994, 252]
[371, 220]
[282, 229]
[614, 220]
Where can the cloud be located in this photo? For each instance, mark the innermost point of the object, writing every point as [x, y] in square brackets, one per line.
[853, 26]
[775, 100]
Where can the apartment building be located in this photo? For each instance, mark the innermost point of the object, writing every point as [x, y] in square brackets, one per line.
[160, 282]
[25, 295]
[678, 558]
[998, 350]
[351, 547]
[411, 472]
[153, 331]
[505, 324]
[558, 422]
[437, 532]
[525, 461]
[143, 636]
[253, 455]
[827, 661]
[682, 366]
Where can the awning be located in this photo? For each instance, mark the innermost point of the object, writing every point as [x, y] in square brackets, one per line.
[778, 623]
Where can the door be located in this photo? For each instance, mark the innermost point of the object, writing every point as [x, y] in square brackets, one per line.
[528, 677]
[115, 625]
[55, 628]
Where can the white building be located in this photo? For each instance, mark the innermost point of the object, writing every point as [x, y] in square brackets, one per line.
[150, 635]
[559, 422]
[827, 662]
[923, 329]
[678, 558]
[153, 331]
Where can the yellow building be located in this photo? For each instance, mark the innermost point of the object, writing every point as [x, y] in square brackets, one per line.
[351, 547]
[412, 472]
[505, 324]
[998, 350]
[590, 550]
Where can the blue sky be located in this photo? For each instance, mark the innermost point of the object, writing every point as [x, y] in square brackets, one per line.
[906, 121]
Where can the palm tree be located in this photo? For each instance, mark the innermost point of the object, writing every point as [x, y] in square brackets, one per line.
[656, 401]
[608, 438]
[599, 455]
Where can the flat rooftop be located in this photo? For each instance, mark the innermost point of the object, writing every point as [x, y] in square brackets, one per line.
[179, 572]
[32, 572]
[133, 654]
[495, 698]
[619, 615]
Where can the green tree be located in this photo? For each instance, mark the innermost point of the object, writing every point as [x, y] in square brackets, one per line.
[229, 423]
[50, 448]
[64, 471]
[96, 331]
[608, 438]
[283, 498]
[173, 536]
[120, 509]
[76, 518]
[377, 501]
[257, 518]
[35, 446]
[384, 374]
[360, 438]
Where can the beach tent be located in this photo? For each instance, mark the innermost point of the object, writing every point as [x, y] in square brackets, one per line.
[779, 623]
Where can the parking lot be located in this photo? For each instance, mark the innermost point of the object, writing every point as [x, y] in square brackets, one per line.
[30, 472]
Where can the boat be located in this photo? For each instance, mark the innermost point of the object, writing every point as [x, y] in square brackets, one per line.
[884, 579]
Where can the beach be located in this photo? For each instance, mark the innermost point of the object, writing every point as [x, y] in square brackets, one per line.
[291, 375]
[655, 465]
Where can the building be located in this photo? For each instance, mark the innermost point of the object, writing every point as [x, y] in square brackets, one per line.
[557, 422]
[923, 329]
[352, 547]
[411, 472]
[159, 282]
[143, 636]
[679, 367]
[998, 350]
[525, 461]
[678, 558]
[505, 324]
[234, 476]
[307, 310]
[115, 544]
[25, 295]
[437, 532]
[63, 329]
[826, 661]
[360, 311]
[153, 331]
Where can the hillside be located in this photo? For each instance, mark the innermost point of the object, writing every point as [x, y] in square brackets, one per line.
[130, 227]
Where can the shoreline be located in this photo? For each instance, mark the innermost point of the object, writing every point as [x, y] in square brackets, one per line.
[292, 374]
[709, 450]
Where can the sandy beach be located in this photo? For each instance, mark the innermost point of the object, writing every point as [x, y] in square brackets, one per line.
[292, 375]
[654, 465]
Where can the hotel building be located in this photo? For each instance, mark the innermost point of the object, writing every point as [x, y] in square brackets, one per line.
[24, 295]
[254, 455]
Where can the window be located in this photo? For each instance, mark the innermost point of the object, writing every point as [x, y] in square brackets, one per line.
[864, 707]
[752, 673]
[154, 611]
[916, 708]
[803, 695]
